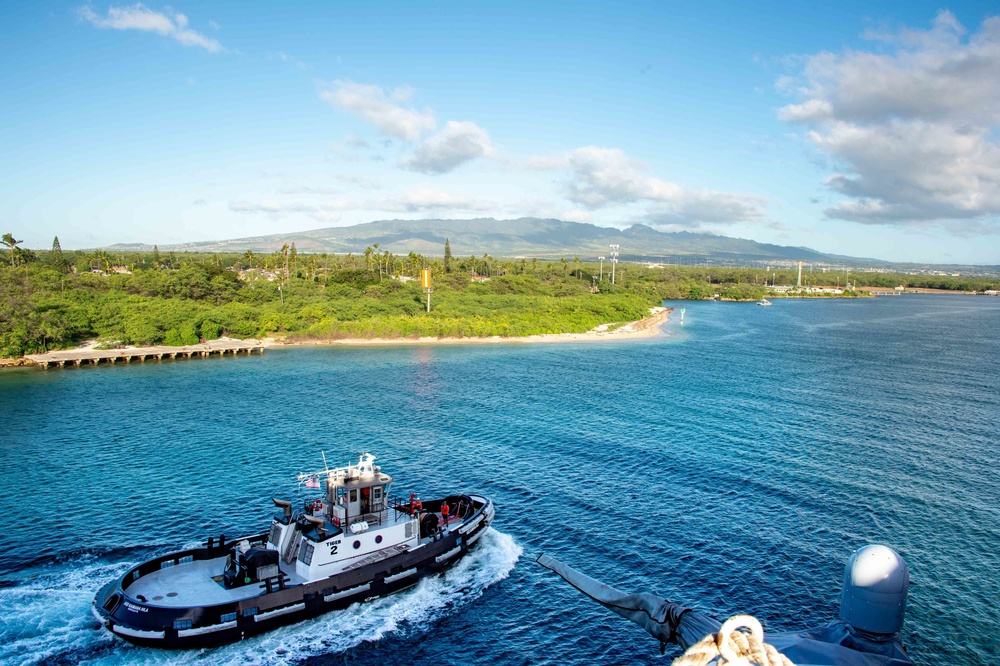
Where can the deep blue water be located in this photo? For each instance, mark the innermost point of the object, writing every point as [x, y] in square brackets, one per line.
[733, 464]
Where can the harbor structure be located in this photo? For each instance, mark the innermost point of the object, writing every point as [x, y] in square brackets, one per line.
[142, 354]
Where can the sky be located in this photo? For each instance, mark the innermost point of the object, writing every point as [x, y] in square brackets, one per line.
[867, 129]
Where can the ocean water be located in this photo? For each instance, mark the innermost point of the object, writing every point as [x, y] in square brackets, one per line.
[732, 464]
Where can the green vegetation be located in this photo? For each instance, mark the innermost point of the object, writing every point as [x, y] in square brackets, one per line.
[59, 297]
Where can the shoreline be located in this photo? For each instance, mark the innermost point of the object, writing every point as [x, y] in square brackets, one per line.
[646, 327]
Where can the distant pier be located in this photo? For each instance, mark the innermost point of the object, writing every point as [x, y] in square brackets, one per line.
[143, 354]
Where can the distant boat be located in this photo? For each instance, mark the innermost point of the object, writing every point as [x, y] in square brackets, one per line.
[763, 301]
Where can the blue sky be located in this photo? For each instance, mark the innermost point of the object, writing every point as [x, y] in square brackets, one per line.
[866, 129]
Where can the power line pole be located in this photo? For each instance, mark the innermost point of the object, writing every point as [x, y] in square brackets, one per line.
[602, 268]
[614, 261]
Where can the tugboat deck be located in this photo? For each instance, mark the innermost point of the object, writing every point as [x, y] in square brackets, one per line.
[192, 584]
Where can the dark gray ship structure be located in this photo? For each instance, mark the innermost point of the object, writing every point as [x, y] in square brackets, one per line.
[354, 543]
[872, 608]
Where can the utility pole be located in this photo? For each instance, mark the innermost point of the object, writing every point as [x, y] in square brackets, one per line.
[602, 268]
[614, 260]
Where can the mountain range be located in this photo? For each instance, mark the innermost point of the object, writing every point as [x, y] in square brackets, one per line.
[523, 237]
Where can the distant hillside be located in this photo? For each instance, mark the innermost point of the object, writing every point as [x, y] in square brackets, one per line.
[524, 237]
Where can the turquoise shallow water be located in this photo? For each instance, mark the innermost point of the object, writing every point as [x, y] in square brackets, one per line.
[732, 464]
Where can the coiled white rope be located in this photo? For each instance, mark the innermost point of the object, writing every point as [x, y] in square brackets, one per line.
[733, 647]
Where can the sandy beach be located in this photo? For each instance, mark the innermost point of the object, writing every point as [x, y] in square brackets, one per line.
[643, 328]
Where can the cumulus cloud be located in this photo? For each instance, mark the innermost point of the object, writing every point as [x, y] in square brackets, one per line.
[457, 143]
[385, 112]
[912, 125]
[602, 177]
[140, 17]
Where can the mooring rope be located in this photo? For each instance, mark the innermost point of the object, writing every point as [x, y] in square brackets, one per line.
[733, 647]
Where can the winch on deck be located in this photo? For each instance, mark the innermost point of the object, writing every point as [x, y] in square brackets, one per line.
[246, 565]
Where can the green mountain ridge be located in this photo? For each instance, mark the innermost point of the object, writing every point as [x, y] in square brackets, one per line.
[523, 237]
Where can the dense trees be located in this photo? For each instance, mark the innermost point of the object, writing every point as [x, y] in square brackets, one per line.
[146, 298]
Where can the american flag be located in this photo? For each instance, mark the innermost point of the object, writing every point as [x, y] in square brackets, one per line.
[312, 482]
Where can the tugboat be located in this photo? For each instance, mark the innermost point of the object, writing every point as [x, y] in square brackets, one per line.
[355, 543]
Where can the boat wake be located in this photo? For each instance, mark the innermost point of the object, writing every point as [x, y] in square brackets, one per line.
[47, 617]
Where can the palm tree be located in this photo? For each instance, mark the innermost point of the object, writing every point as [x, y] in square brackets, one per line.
[368, 258]
[11, 243]
[249, 256]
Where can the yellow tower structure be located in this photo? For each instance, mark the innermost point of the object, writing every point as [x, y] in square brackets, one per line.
[425, 284]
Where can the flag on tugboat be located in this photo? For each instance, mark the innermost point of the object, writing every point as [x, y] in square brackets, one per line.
[312, 482]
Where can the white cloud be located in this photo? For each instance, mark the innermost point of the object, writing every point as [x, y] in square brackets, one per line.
[359, 181]
[306, 189]
[913, 125]
[284, 57]
[420, 199]
[140, 17]
[601, 177]
[384, 112]
[457, 143]
[414, 200]
[328, 211]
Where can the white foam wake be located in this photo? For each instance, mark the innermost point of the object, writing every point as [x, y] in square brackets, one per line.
[47, 614]
[48, 617]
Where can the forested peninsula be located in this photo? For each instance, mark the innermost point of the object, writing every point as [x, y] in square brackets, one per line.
[56, 299]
